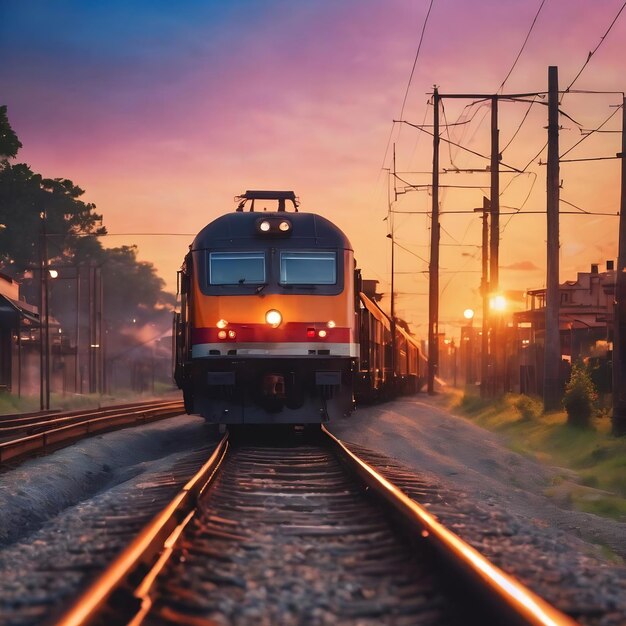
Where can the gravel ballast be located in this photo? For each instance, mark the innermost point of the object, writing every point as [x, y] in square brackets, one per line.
[493, 498]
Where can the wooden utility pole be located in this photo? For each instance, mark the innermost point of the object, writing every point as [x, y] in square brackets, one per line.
[552, 342]
[484, 291]
[619, 315]
[433, 270]
[494, 245]
[42, 360]
[393, 271]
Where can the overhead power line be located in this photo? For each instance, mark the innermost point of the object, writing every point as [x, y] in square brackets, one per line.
[519, 54]
[608, 30]
[595, 130]
[408, 86]
[417, 54]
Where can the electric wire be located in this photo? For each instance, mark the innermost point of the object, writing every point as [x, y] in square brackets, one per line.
[608, 30]
[408, 87]
[585, 136]
[519, 54]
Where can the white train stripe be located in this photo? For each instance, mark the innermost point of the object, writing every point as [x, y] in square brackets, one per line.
[275, 349]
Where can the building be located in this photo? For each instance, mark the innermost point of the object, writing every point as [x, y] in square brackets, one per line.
[18, 323]
[585, 327]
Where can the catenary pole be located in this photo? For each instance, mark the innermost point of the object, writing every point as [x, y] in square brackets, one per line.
[552, 343]
[619, 325]
[393, 295]
[494, 243]
[433, 269]
[484, 291]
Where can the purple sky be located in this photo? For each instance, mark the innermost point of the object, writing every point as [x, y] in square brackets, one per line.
[163, 113]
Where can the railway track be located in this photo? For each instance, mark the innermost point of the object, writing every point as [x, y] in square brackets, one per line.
[25, 435]
[302, 532]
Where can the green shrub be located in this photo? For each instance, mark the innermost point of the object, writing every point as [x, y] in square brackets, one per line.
[580, 394]
[528, 408]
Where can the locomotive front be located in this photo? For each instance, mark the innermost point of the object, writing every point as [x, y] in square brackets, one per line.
[267, 329]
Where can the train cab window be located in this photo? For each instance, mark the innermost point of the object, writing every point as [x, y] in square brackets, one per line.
[236, 268]
[308, 268]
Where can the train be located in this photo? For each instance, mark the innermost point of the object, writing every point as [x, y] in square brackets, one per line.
[273, 326]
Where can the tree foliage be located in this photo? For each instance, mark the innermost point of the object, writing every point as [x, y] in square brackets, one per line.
[580, 395]
[34, 210]
[9, 143]
[33, 207]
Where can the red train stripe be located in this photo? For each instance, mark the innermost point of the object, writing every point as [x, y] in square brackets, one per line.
[288, 332]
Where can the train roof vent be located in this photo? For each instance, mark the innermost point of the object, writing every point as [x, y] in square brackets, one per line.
[280, 196]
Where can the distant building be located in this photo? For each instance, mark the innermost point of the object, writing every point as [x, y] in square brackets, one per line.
[585, 326]
[17, 319]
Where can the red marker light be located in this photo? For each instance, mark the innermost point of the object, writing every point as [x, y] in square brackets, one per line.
[310, 332]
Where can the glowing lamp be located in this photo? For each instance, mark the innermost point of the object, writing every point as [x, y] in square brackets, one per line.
[53, 273]
[222, 324]
[273, 318]
[264, 226]
[232, 334]
[331, 324]
[468, 314]
[321, 333]
[222, 334]
[310, 332]
[284, 226]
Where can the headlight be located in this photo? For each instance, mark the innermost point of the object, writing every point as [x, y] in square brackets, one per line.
[264, 226]
[284, 226]
[330, 324]
[222, 324]
[273, 318]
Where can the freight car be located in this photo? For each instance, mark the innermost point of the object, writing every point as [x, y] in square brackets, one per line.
[270, 321]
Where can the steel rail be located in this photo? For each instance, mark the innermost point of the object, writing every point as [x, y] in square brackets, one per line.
[16, 419]
[136, 568]
[514, 603]
[130, 578]
[59, 435]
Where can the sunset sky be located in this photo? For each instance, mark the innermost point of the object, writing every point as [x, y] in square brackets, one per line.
[164, 111]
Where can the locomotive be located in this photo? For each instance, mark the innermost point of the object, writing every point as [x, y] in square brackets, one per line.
[271, 320]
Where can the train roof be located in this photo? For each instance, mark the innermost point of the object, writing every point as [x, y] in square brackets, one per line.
[307, 229]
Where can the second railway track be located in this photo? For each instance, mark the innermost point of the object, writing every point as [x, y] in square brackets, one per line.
[21, 436]
[287, 534]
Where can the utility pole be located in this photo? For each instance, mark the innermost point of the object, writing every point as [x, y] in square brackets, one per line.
[484, 291]
[433, 269]
[494, 256]
[393, 295]
[42, 269]
[552, 342]
[44, 320]
[619, 311]
[77, 333]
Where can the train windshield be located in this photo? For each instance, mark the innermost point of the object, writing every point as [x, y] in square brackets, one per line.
[308, 268]
[236, 268]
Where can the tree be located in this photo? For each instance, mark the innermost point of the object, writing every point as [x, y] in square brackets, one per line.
[30, 205]
[580, 394]
[9, 143]
[34, 210]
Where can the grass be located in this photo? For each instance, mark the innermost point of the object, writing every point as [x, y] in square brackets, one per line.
[593, 461]
[10, 403]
